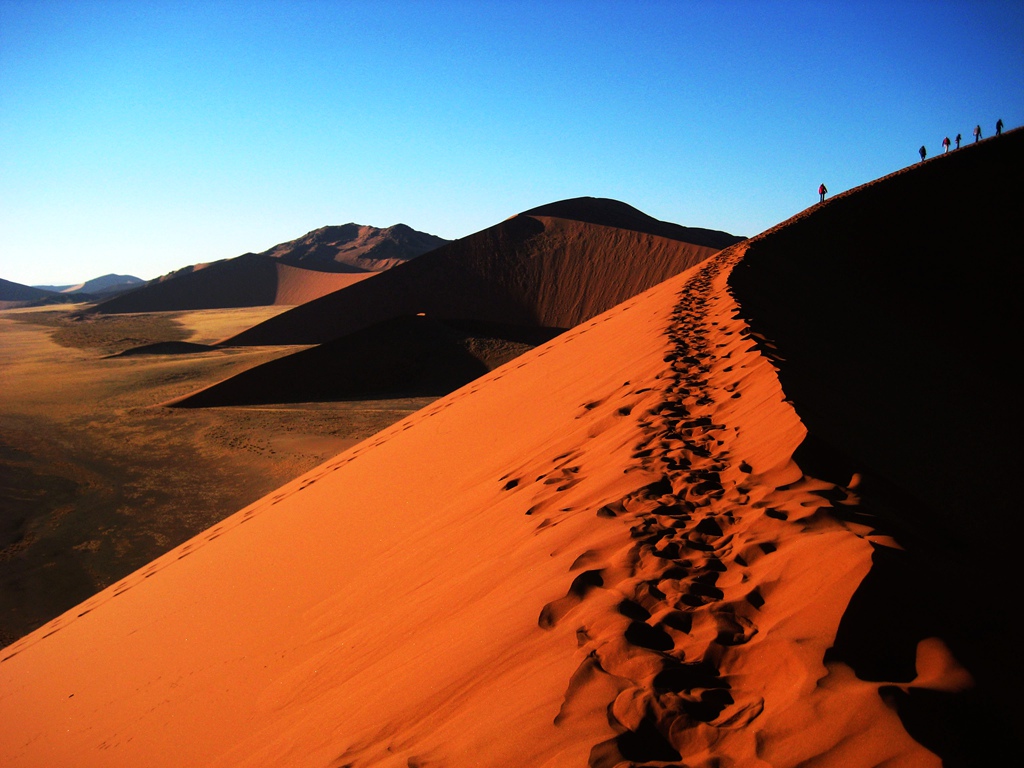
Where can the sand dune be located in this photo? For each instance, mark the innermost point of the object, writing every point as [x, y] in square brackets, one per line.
[532, 270]
[245, 281]
[659, 539]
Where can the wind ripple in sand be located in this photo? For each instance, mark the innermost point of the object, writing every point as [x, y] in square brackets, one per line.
[665, 621]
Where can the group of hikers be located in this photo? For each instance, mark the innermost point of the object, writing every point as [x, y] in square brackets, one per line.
[822, 191]
[946, 142]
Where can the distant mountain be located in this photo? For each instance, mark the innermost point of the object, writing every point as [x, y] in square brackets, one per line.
[98, 285]
[320, 262]
[355, 247]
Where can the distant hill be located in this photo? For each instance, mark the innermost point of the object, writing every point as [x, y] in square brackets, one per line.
[763, 513]
[320, 262]
[355, 247]
[15, 294]
[98, 286]
[11, 291]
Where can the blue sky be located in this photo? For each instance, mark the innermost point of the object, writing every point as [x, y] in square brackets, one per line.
[141, 137]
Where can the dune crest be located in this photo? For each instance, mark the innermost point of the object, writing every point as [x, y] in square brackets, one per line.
[320, 262]
[529, 271]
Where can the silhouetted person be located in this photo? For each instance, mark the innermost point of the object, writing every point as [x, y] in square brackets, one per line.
[822, 192]
[999, 127]
[945, 145]
[977, 133]
[958, 141]
[922, 152]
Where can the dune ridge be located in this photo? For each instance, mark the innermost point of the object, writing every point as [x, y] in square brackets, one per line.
[530, 271]
[403, 357]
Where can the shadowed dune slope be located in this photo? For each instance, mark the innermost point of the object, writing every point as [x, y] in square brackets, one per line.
[526, 271]
[631, 546]
[401, 357]
[246, 281]
[412, 356]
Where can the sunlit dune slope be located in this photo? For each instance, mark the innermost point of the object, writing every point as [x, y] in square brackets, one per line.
[630, 546]
[15, 294]
[530, 270]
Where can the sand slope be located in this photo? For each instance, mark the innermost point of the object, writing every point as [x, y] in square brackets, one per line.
[552, 271]
[623, 548]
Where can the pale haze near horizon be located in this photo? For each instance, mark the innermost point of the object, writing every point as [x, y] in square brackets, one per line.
[139, 138]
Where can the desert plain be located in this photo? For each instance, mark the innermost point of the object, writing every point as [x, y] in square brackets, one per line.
[759, 512]
[99, 478]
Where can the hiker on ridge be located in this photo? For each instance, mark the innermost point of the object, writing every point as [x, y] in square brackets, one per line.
[958, 141]
[922, 152]
[822, 192]
[999, 127]
[945, 145]
[977, 133]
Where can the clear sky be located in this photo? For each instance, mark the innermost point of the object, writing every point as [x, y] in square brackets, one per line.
[139, 137]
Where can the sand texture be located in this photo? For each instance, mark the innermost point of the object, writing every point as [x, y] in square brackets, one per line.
[759, 515]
